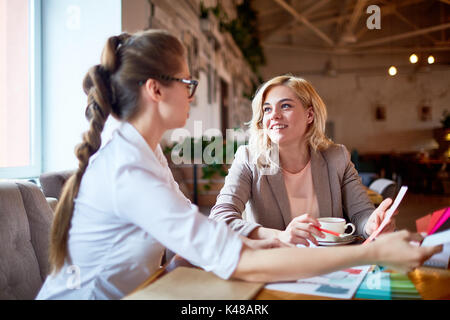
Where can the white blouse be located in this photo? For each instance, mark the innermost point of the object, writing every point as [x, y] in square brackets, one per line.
[127, 210]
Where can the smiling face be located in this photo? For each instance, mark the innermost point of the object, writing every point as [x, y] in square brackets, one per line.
[285, 119]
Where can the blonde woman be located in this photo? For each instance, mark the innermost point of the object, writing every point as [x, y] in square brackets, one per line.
[122, 207]
[290, 174]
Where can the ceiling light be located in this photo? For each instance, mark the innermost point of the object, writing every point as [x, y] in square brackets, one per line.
[413, 58]
[392, 71]
[430, 59]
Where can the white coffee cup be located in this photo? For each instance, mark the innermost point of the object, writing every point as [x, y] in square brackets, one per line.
[338, 225]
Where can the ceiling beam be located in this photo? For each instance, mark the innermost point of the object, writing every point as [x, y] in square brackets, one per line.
[385, 11]
[388, 50]
[442, 11]
[357, 11]
[344, 14]
[347, 51]
[327, 13]
[269, 12]
[277, 29]
[413, 25]
[317, 5]
[402, 36]
[275, 23]
[300, 18]
[311, 49]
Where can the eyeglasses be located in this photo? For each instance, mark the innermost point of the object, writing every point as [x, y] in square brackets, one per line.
[192, 84]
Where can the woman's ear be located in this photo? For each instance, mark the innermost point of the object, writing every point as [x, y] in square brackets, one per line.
[310, 115]
[152, 89]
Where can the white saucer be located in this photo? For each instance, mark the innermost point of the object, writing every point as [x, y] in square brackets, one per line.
[339, 242]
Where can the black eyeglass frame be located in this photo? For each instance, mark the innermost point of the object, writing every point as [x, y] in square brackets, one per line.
[191, 82]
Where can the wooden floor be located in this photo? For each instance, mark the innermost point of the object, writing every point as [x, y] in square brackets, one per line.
[413, 207]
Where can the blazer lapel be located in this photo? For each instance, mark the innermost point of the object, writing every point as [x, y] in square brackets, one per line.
[321, 181]
[276, 183]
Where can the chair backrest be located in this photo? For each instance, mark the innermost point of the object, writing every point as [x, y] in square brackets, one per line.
[387, 188]
[53, 182]
[25, 221]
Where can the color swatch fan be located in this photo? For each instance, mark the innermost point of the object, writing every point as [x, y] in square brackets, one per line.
[437, 221]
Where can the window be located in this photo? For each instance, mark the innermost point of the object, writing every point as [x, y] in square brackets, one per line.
[20, 109]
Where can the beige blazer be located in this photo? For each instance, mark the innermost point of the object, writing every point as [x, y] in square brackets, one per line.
[338, 188]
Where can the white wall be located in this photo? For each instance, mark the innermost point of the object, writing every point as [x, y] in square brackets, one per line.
[74, 33]
[351, 102]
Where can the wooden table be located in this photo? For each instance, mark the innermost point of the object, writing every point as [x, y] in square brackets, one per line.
[431, 283]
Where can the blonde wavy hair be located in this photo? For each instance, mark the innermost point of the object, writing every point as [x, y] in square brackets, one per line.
[264, 151]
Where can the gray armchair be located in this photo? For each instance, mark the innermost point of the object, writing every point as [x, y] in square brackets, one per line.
[25, 221]
[53, 182]
[386, 187]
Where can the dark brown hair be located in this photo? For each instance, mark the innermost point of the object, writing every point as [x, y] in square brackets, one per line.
[112, 87]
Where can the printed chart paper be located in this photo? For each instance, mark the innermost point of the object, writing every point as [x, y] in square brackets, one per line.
[340, 284]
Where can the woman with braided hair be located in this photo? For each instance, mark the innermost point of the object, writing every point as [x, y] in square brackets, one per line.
[122, 207]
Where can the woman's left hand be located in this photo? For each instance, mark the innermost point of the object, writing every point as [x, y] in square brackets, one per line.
[264, 243]
[377, 217]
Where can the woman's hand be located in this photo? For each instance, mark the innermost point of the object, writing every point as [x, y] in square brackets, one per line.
[300, 230]
[401, 250]
[264, 243]
[377, 217]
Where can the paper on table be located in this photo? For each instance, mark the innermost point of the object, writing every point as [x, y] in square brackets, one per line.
[340, 284]
[441, 221]
[440, 259]
[389, 214]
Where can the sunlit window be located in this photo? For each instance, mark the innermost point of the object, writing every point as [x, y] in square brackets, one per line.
[19, 103]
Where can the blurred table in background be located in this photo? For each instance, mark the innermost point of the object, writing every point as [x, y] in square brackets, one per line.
[427, 175]
[374, 196]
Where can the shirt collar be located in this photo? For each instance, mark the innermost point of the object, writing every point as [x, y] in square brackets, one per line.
[132, 135]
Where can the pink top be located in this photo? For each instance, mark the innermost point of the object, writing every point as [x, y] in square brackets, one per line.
[300, 190]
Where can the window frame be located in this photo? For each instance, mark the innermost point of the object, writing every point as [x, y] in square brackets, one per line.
[35, 98]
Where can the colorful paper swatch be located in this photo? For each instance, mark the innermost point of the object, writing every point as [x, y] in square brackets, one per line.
[434, 222]
[441, 221]
[376, 285]
[435, 217]
[381, 285]
[403, 288]
[423, 223]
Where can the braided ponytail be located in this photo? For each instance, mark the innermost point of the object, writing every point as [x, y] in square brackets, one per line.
[97, 86]
[112, 88]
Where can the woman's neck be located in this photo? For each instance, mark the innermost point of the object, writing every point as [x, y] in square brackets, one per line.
[149, 126]
[295, 157]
